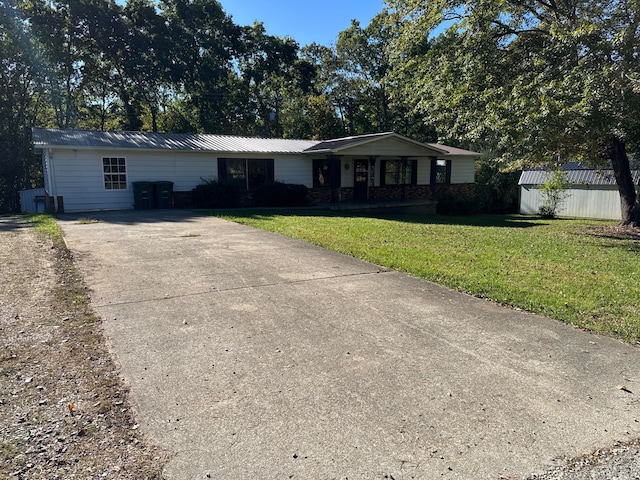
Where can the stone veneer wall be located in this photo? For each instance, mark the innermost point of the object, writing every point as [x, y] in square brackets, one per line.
[411, 192]
[323, 195]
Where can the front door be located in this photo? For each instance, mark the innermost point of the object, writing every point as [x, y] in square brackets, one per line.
[361, 180]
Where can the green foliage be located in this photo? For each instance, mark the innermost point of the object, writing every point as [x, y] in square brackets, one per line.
[554, 192]
[557, 268]
[45, 224]
[21, 103]
[217, 194]
[279, 194]
[496, 190]
[538, 82]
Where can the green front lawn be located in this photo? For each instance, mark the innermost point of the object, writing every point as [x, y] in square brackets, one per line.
[559, 268]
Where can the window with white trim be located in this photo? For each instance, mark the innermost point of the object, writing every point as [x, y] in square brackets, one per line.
[114, 172]
[391, 172]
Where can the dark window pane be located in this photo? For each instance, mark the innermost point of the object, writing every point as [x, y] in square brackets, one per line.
[236, 169]
[259, 172]
[441, 172]
[321, 173]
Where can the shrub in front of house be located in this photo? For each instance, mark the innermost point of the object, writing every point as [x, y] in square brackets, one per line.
[279, 194]
[217, 194]
[451, 204]
[496, 191]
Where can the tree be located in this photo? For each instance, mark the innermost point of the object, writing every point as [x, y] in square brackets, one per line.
[21, 101]
[536, 80]
[554, 191]
[267, 67]
[204, 43]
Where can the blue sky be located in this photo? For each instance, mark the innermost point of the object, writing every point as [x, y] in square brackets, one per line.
[304, 20]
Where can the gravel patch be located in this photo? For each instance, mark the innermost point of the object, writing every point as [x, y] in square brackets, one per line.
[64, 410]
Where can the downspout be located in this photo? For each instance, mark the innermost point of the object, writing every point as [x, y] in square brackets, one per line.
[52, 178]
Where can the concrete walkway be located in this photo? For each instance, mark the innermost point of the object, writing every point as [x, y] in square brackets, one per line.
[254, 356]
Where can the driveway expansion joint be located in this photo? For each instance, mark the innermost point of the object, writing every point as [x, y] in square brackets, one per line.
[214, 290]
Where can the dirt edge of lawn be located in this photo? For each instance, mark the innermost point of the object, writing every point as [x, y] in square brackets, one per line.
[64, 407]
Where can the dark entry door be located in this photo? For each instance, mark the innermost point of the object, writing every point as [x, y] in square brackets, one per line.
[361, 180]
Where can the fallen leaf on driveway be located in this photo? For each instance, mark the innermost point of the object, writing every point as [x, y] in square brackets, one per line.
[623, 388]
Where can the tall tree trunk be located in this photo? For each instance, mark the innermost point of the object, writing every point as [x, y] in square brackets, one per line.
[629, 200]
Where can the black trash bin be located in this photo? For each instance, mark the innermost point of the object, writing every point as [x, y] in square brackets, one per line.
[164, 194]
[143, 198]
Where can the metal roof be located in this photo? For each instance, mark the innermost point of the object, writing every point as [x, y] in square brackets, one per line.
[54, 138]
[578, 175]
[51, 138]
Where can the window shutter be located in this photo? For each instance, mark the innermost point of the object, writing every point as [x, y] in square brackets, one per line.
[270, 171]
[336, 174]
[434, 171]
[222, 168]
[448, 172]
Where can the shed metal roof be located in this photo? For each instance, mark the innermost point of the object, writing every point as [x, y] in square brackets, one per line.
[577, 174]
[51, 138]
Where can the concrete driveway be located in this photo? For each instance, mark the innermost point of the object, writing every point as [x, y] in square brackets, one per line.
[254, 356]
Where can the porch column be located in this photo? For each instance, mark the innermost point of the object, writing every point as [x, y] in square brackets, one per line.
[403, 176]
[372, 176]
[335, 179]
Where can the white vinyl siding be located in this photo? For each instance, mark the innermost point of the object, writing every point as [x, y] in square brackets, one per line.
[602, 202]
[424, 171]
[293, 169]
[463, 170]
[390, 147]
[79, 175]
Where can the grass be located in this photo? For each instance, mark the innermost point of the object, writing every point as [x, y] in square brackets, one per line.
[45, 224]
[8, 450]
[557, 268]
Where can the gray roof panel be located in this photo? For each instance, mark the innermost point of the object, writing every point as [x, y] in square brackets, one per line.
[579, 176]
[46, 138]
[453, 150]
